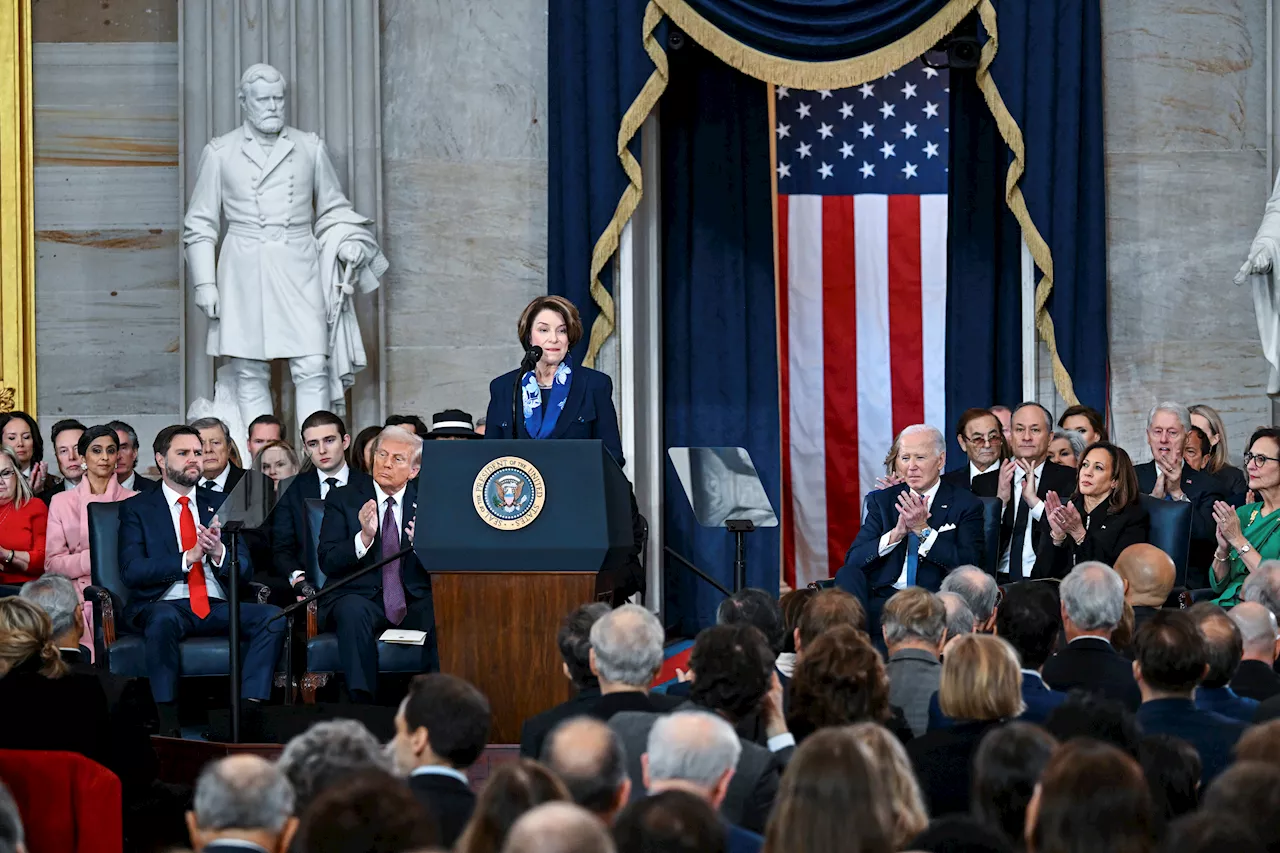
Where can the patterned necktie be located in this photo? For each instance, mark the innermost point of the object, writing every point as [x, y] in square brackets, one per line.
[195, 580]
[393, 601]
[913, 557]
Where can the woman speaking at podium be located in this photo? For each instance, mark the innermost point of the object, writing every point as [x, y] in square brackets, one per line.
[549, 396]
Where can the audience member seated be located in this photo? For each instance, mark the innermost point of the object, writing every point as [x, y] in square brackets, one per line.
[981, 687]
[409, 423]
[625, 655]
[23, 522]
[914, 626]
[1092, 603]
[671, 822]
[913, 533]
[327, 753]
[277, 461]
[127, 459]
[242, 804]
[841, 680]
[1248, 535]
[1197, 449]
[442, 727]
[1233, 480]
[960, 619]
[1249, 792]
[1066, 448]
[1148, 574]
[980, 593]
[1102, 518]
[960, 833]
[1224, 647]
[558, 828]
[1260, 742]
[65, 435]
[1263, 586]
[217, 473]
[20, 432]
[825, 610]
[589, 758]
[1256, 677]
[1171, 661]
[1091, 796]
[574, 641]
[1172, 767]
[792, 605]
[1086, 421]
[452, 425]
[890, 761]
[511, 790]
[372, 812]
[263, 430]
[1201, 832]
[978, 434]
[1029, 620]
[359, 457]
[1006, 768]
[1088, 715]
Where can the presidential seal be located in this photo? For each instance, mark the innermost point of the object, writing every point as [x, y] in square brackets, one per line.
[508, 493]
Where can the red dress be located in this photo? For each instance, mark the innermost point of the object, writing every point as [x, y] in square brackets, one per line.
[22, 529]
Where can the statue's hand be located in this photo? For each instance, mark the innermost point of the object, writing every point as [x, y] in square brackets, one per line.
[351, 253]
[1259, 263]
[207, 299]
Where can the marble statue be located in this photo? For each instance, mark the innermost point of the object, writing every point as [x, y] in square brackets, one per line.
[1261, 269]
[294, 254]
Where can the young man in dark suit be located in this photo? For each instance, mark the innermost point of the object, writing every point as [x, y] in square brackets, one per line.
[176, 566]
[441, 729]
[365, 523]
[979, 436]
[1092, 603]
[127, 459]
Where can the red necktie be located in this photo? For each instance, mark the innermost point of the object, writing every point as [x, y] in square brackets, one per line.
[195, 580]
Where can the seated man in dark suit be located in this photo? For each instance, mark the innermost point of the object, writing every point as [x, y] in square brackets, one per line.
[1167, 477]
[1029, 619]
[174, 562]
[1224, 647]
[65, 436]
[441, 729]
[626, 654]
[1256, 677]
[915, 532]
[574, 640]
[1092, 603]
[127, 459]
[1148, 574]
[365, 523]
[979, 436]
[589, 758]
[1171, 661]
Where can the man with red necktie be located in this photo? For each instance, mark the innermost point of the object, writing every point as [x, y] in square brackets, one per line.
[175, 564]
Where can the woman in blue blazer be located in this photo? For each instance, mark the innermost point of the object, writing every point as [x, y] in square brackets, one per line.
[558, 399]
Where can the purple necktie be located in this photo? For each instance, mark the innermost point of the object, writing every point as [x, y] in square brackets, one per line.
[393, 601]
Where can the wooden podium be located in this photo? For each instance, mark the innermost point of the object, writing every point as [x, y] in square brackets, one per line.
[502, 583]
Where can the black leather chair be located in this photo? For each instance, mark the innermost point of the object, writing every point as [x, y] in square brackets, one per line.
[322, 648]
[1171, 532]
[991, 534]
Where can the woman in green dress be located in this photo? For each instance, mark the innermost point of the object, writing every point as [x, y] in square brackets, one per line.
[1249, 535]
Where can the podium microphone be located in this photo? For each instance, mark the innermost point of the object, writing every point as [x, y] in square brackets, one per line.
[531, 358]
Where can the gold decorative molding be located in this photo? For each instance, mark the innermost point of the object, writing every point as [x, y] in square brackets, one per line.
[17, 222]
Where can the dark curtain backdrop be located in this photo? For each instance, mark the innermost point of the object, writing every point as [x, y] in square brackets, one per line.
[719, 359]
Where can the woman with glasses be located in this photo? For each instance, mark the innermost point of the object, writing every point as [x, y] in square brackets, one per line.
[23, 519]
[1248, 535]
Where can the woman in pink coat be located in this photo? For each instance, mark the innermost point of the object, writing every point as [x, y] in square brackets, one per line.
[67, 537]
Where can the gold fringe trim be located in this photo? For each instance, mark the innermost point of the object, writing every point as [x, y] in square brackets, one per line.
[1039, 248]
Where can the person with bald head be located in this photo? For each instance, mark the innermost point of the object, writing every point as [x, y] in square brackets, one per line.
[1224, 647]
[558, 828]
[589, 758]
[1256, 677]
[1148, 575]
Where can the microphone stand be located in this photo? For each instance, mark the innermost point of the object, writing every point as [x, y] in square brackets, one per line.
[529, 361]
[232, 529]
[339, 584]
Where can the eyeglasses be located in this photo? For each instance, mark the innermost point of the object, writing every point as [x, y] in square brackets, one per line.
[1250, 458]
[8, 472]
[983, 440]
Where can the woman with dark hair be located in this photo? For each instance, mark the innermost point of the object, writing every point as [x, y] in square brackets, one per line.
[1091, 797]
[20, 431]
[839, 680]
[1006, 768]
[1233, 480]
[1085, 420]
[1247, 536]
[1101, 519]
[512, 790]
[830, 800]
[361, 448]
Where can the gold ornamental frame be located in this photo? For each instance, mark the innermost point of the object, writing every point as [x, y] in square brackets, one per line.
[17, 222]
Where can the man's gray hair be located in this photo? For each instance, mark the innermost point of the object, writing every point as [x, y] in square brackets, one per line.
[960, 619]
[558, 827]
[12, 835]
[924, 625]
[260, 71]
[939, 440]
[210, 423]
[329, 752]
[976, 587]
[242, 792]
[1257, 626]
[1184, 414]
[692, 746]
[396, 432]
[1073, 438]
[1093, 595]
[56, 596]
[1263, 586]
[628, 645]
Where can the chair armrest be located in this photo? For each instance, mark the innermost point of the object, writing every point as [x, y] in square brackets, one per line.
[261, 592]
[104, 618]
[313, 609]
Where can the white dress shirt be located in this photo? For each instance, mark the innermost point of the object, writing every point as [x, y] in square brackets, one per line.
[342, 476]
[181, 589]
[438, 770]
[397, 511]
[925, 544]
[128, 482]
[1033, 515]
[219, 482]
[975, 472]
[68, 485]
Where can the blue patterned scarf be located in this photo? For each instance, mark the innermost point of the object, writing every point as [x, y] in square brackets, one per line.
[537, 422]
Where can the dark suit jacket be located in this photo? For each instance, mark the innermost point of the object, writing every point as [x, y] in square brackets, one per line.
[337, 548]
[133, 719]
[1106, 535]
[52, 486]
[68, 713]
[1213, 735]
[943, 760]
[234, 474]
[150, 559]
[1202, 488]
[958, 478]
[1224, 701]
[1091, 664]
[290, 529]
[144, 484]
[450, 801]
[1142, 614]
[739, 840]
[606, 706]
[588, 411]
[1053, 478]
[534, 731]
[1255, 680]
[1234, 481]
[866, 574]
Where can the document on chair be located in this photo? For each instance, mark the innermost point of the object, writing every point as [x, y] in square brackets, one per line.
[404, 637]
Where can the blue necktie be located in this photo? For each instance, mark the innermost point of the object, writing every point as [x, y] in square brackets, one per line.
[913, 557]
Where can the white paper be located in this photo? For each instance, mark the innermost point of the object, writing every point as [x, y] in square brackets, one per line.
[404, 637]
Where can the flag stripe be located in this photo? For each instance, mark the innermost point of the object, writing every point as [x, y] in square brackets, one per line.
[875, 387]
[906, 352]
[933, 291]
[840, 385]
[784, 393]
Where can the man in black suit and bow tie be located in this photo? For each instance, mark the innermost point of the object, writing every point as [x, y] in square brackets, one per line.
[242, 804]
[979, 436]
[915, 532]
[364, 524]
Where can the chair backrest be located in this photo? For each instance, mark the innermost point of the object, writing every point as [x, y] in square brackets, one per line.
[1171, 532]
[991, 511]
[104, 548]
[315, 516]
[67, 802]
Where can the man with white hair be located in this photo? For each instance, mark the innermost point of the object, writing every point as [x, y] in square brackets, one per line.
[1263, 586]
[1256, 677]
[242, 804]
[1092, 603]
[697, 752]
[960, 619]
[915, 532]
[626, 654]
[980, 593]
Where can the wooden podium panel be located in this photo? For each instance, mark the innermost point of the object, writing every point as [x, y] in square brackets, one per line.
[498, 631]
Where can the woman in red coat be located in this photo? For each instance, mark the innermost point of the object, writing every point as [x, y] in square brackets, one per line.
[23, 519]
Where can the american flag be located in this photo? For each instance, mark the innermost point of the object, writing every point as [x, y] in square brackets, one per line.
[862, 222]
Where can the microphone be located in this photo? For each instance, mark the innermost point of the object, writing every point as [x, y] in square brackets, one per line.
[531, 357]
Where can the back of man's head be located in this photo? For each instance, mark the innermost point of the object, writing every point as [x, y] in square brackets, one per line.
[960, 619]
[368, 812]
[1263, 586]
[589, 758]
[1093, 598]
[732, 669]
[558, 828]
[1170, 654]
[1223, 643]
[626, 647]
[12, 837]
[1030, 619]
[327, 753]
[1086, 715]
[242, 797]
[670, 822]
[1150, 573]
[56, 596]
[574, 640]
[455, 714]
[913, 616]
[1249, 791]
[977, 588]
[694, 751]
[1258, 630]
[755, 607]
[829, 608]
